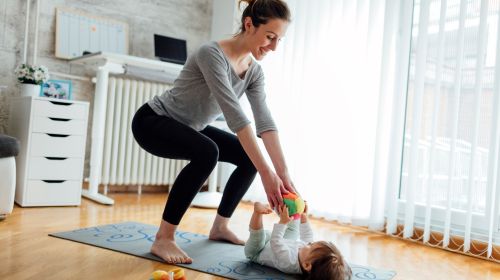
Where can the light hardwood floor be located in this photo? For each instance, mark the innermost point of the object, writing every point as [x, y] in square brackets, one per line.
[27, 252]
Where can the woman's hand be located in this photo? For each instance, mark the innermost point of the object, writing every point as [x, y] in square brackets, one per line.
[273, 187]
[288, 185]
[283, 212]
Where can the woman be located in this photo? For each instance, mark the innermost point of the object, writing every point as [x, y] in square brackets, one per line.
[175, 124]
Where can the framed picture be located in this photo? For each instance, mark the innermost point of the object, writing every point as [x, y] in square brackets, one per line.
[60, 89]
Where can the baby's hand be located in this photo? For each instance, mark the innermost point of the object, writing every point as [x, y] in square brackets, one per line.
[303, 216]
[283, 212]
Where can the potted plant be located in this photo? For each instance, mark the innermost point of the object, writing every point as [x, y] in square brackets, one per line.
[31, 78]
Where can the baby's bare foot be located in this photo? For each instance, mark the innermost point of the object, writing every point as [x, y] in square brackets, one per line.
[169, 251]
[261, 208]
[224, 234]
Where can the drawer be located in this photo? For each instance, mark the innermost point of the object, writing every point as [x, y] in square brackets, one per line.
[52, 168]
[57, 145]
[52, 193]
[59, 125]
[59, 109]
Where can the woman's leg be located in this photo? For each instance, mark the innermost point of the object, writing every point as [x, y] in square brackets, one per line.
[165, 137]
[230, 150]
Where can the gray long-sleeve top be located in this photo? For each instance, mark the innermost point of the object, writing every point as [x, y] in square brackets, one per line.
[208, 86]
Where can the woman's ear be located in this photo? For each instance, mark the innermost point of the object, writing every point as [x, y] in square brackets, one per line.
[248, 24]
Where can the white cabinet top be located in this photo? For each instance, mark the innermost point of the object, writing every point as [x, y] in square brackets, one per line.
[53, 100]
[115, 62]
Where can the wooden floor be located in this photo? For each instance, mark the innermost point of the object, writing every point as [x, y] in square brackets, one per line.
[27, 252]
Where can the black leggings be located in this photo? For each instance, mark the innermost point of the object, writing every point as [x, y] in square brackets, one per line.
[168, 138]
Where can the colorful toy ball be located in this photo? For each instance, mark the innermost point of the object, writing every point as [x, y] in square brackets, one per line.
[295, 205]
[177, 274]
[159, 275]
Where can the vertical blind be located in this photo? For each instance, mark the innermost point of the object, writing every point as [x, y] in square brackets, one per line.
[448, 194]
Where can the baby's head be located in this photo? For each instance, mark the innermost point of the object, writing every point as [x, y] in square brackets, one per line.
[322, 260]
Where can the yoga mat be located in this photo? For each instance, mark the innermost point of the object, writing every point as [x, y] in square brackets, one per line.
[218, 258]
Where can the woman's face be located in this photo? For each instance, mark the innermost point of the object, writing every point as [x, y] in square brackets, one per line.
[265, 38]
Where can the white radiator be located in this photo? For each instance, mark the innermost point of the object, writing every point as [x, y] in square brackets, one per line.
[123, 161]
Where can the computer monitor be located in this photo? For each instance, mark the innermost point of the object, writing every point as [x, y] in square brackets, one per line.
[170, 49]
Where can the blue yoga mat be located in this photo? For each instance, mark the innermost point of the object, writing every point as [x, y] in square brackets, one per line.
[218, 258]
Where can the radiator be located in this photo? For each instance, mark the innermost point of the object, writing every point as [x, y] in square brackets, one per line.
[124, 162]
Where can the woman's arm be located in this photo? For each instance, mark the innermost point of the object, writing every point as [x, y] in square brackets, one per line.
[273, 185]
[273, 147]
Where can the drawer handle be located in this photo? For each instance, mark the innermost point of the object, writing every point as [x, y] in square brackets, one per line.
[57, 135]
[59, 119]
[60, 103]
[54, 181]
[56, 158]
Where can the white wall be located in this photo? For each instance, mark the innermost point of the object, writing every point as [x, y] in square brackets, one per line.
[225, 19]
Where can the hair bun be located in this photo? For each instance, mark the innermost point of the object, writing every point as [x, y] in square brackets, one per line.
[261, 11]
[248, 2]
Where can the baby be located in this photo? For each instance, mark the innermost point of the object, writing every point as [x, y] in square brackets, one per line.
[290, 247]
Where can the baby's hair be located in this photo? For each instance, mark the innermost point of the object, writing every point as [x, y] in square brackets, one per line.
[328, 263]
[261, 11]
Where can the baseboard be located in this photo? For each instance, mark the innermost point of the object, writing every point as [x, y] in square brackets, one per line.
[477, 249]
[135, 188]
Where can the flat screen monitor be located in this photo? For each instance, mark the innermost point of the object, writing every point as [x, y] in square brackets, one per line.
[170, 49]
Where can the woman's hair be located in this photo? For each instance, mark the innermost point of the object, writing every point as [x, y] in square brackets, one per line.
[328, 263]
[261, 11]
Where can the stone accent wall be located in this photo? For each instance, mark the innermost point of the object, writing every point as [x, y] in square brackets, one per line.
[190, 20]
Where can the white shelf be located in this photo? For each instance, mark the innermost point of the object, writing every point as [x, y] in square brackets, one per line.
[116, 63]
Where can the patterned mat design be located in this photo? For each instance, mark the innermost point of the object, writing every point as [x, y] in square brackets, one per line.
[212, 257]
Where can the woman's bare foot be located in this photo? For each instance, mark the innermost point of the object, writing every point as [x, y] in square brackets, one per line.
[224, 234]
[261, 208]
[164, 245]
[221, 232]
[169, 251]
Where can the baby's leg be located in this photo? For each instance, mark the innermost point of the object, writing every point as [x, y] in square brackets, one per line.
[256, 242]
[259, 209]
[258, 238]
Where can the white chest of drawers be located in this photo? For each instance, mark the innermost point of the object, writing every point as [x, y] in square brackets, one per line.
[52, 133]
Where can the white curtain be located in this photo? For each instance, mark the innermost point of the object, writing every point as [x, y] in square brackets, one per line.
[331, 86]
[449, 185]
[389, 116]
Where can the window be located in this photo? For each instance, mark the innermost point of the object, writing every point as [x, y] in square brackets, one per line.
[450, 154]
